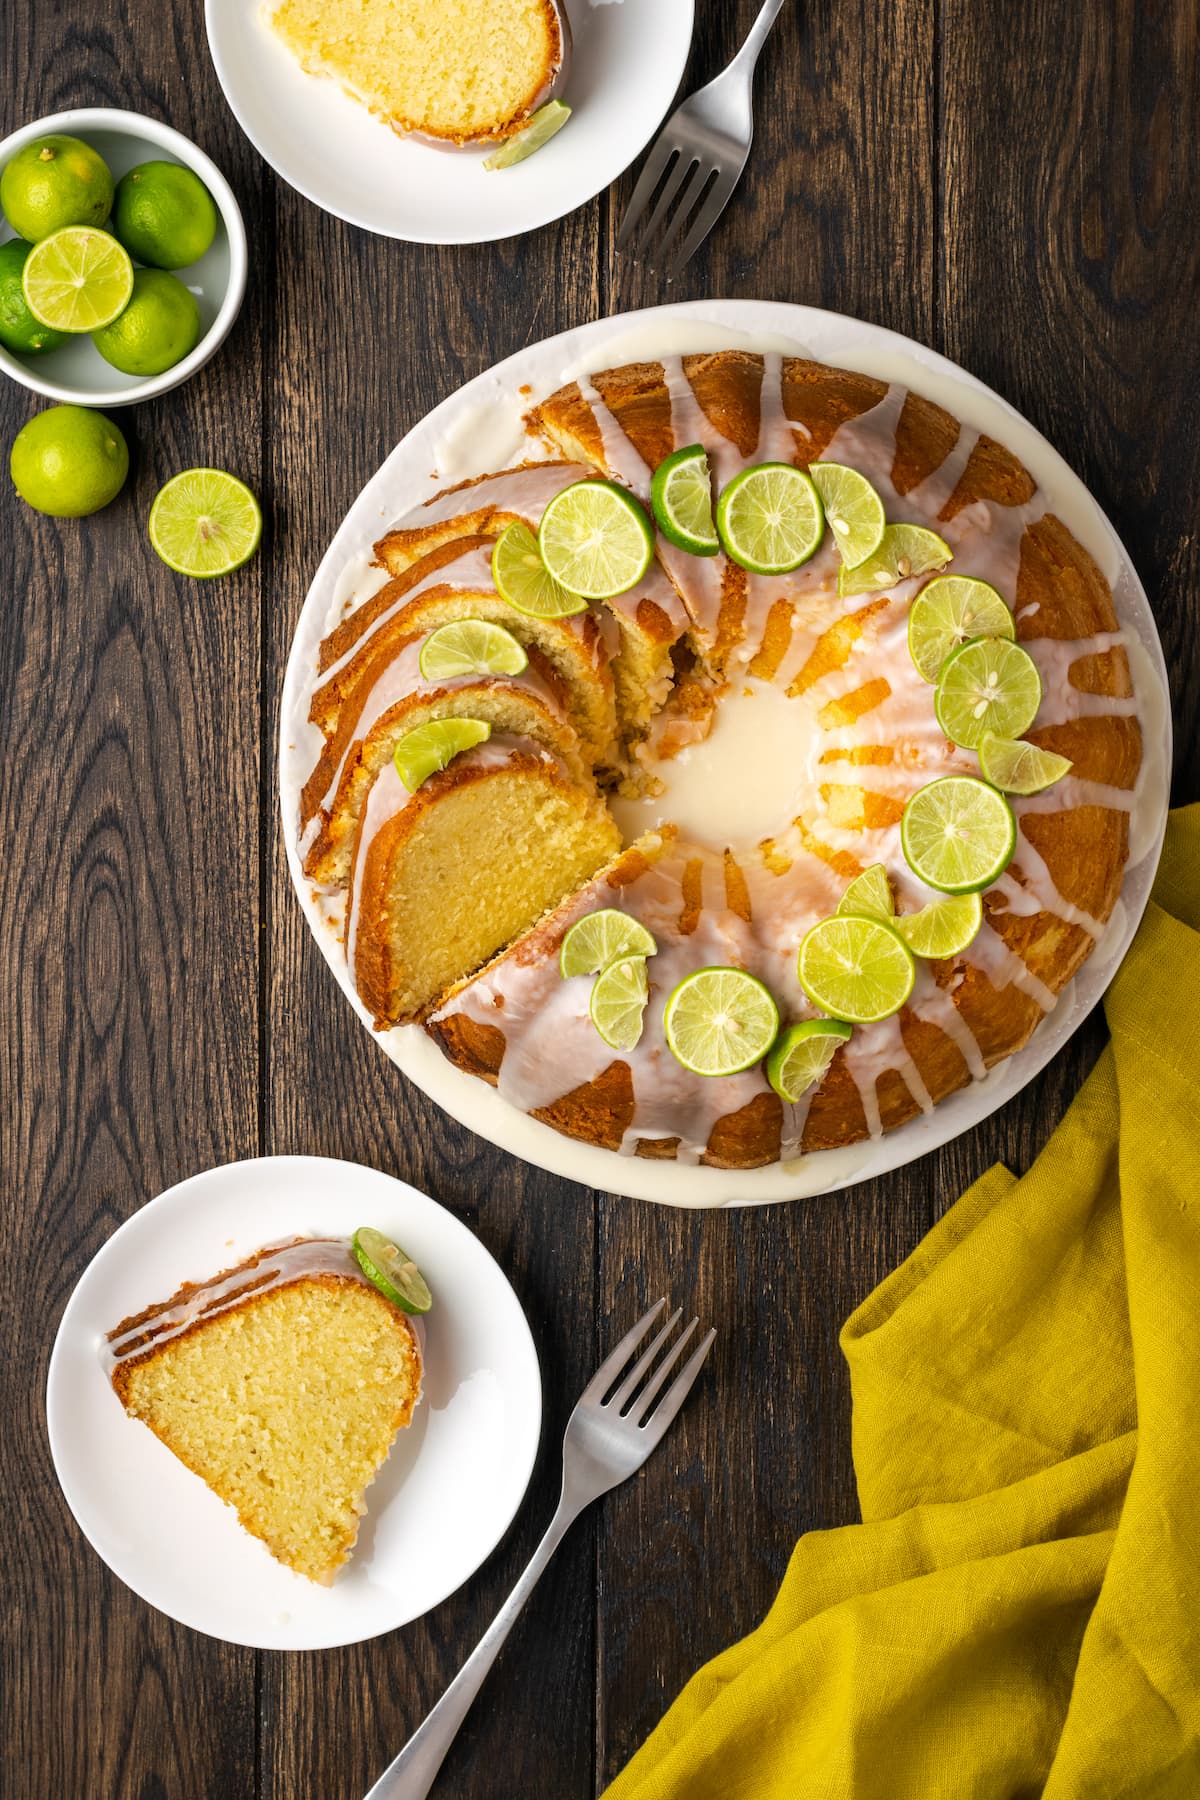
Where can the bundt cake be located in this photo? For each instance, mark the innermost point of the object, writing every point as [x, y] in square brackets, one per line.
[282, 1384]
[617, 692]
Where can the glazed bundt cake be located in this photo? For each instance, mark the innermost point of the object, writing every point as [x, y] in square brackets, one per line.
[615, 693]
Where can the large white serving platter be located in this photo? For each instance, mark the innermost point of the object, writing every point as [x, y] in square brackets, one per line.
[479, 428]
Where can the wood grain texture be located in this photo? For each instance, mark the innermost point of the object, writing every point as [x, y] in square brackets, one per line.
[1014, 184]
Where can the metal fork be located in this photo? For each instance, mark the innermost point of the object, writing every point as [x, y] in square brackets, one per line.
[701, 150]
[617, 1422]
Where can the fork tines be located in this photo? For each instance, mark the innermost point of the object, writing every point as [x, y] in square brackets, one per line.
[631, 1391]
[687, 190]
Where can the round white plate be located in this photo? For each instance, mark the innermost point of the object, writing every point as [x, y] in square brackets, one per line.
[441, 1502]
[479, 428]
[628, 61]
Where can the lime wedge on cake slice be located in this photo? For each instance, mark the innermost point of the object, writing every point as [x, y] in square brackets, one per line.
[681, 495]
[855, 969]
[428, 748]
[387, 1267]
[205, 523]
[470, 647]
[77, 279]
[542, 126]
[599, 939]
[990, 685]
[869, 894]
[618, 1001]
[720, 1021]
[853, 510]
[958, 834]
[950, 611]
[595, 539]
[769, 518]
[521, 577]
[902, 552]
[944, 927]
[1017, 767]
[802, 1054]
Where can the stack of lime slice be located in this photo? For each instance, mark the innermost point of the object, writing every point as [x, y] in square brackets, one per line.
[521, 577]
[951, 611]
[613, 947]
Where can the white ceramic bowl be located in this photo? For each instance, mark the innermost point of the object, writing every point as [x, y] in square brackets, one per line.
[77, 372]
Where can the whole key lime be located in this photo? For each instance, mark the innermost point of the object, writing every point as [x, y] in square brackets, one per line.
[69, 461]
[164, 215]
[158, 328]
[55, 181]
[19, 330]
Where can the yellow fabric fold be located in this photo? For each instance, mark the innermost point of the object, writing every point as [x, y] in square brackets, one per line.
[1019, 1612]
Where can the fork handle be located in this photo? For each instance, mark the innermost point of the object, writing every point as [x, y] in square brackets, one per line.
[412, 1774]
[748, 55]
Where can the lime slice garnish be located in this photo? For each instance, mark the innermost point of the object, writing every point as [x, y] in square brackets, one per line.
[990, 685]
[471, 647]
[802, 1054]
[720, 1021]
[958, 834]
[520, 577]
[681, 495]
[950, 611]
[902, 552]
[869, 895]
[387, 1267]
[769, 518]
[428, 748]
[541, 128]
[599, 939]
[619, 995]
[77, 279]
[855, 969]
[944, 927]
[853, 510]
[205, 522]
[595, 539]
[1020, 768]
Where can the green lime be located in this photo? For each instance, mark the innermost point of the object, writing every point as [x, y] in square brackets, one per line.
[205, 523]
[599, 939]
[853, 510]
[470, 647]
[595, 539]
[387, 1267]
[520, 577]
[77, 280]
[855, 969]
[769, 518]
[69, 461]
[990, 685]
[1020, 768]
[164, 215]
[619, 995]
[802, 1054]
[720, 1021]
[428, 748]
[541, 128]
[950, 611]
[902, 552]
[19, 330]
[55, 181]
[958, 834]
[159, 327]
[869, 895]
[944, 927]
[681, 495]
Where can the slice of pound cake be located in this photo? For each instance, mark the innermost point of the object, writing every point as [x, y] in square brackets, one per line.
[282, 1384]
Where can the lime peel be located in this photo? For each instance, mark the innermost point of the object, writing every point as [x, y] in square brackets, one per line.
[522, 579]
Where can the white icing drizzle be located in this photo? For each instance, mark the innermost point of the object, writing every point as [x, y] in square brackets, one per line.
[470, 572]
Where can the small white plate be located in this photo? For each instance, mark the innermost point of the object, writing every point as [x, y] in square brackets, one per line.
[628, 60]
[443, 1499]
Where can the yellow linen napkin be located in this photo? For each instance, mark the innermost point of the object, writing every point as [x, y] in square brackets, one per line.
[1019, 1612]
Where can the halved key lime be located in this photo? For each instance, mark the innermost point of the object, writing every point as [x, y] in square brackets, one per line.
[471, 647]
[205, 523]
[902, 552]
[802, 1054]
[769, 518]
[1020, 768]
[619, 995]
[869, 894]
[720, 1021]
[77, 279]
[855, 969]
[853, 510]
[990, 685]
[595, 539]
[944, 927]
[599, 939]
[387, 1267]
[949, 612]
[958, 834]
[428, 748]
[521, 578]
[681, 495]
[541, 128]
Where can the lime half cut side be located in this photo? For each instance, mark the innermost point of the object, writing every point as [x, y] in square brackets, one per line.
[903, 552]
[595, 539]
[428, 748]
[470, 647]
[802, 1054]
[770, 519]
[205, 523]
[950, 611]
[853, 510]
[869, 894]
[990, 685]
[944, 927]
[599, 939]
[521, 577]
[681, 495]
[619, 995]
[1017, 767]
[77, 279]
[542, 126]
[720, 1021]
[386, 1267]
[855, 969]
[958, 834]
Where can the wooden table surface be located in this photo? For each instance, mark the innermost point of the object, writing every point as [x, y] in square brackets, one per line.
[1014, 182]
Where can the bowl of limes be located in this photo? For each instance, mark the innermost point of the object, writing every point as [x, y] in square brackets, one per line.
[122, 257]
